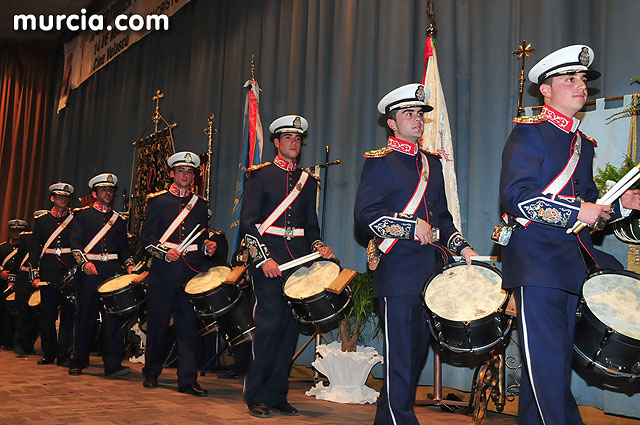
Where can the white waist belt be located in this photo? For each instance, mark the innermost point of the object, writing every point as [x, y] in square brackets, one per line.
[290, 232]
[57, 251]
[190, 248]
[102, 257]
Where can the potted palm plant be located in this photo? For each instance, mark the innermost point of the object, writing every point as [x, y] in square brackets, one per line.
[346, 364]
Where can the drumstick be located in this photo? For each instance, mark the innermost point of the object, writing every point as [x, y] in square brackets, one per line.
[182, 245]
[298, 261]
[478, 258]
[186, 243]
[137, 267]
[610, 197]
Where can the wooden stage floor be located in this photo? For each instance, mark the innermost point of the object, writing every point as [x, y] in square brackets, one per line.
[47, 395]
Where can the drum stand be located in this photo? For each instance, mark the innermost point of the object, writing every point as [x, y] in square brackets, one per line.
[317, 337]
[488, 384]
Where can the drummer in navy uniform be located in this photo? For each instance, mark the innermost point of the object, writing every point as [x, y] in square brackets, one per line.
[51, 259]
[545, 186]
[100, 248]
[170, 217]
[9, 258]
[401, 201]
[26, 324]
[279, 221]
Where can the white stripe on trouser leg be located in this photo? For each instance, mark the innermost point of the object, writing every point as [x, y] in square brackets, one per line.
[525, 338]
[387, 360]
[253, 353]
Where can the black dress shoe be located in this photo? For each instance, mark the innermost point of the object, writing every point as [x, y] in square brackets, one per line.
[285, 408]
[194, 389]
[119, 371]
[259, 410]
[47, 360]
[75, 371]
[20, 352]
[150, 382]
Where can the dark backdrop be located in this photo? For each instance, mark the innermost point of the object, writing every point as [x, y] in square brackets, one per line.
[331, 61]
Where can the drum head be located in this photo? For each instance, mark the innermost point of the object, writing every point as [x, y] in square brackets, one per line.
[306, 282]
[464, 293]
[116, 283]
[34, 299]
[204, 282]
[614, 298]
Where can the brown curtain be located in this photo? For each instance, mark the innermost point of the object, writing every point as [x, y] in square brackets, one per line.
[25, 111]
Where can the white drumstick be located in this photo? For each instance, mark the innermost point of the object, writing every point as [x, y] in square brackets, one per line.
[478, 258]
[188, 239]
[611, 196]
[298, 261]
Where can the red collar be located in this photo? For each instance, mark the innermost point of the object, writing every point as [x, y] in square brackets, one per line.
[285, 165]
[103, 209]
[402, 146]
[560, 120]
[56, 214]
[179, 192]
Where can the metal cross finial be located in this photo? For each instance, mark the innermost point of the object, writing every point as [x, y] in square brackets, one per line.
[524, 49]
[431, 17]
[156, 116]
[523, 52]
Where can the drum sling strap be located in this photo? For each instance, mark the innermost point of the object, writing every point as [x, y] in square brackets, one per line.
[288, 200]
[105, 229]
[412, 206]
[9, 257]
[56, 232]
[561, 180]
[179, 219]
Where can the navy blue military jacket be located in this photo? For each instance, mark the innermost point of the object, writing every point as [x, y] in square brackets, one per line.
[51, 266]
[7, 248]
[266, 188]
[542, 254]
[162, 209]
[388, 181]
[87, 223]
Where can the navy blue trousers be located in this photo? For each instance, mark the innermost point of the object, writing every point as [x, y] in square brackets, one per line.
[166, 298]
[406, 340]
[55, 344]
[273, 346]
[546, 320]
[87, 306]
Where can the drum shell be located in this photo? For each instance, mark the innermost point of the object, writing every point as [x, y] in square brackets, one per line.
[216, 301]
[475, 337]
[237, 324]
[602, 349]
[320, 312]
[124, 300]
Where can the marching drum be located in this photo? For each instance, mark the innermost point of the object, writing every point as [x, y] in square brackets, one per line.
[607, 337]
[121, 295]
[10, 302]
[220, 304]
[315, 308]
[210, 298]
[466, 308]
[34, 299]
